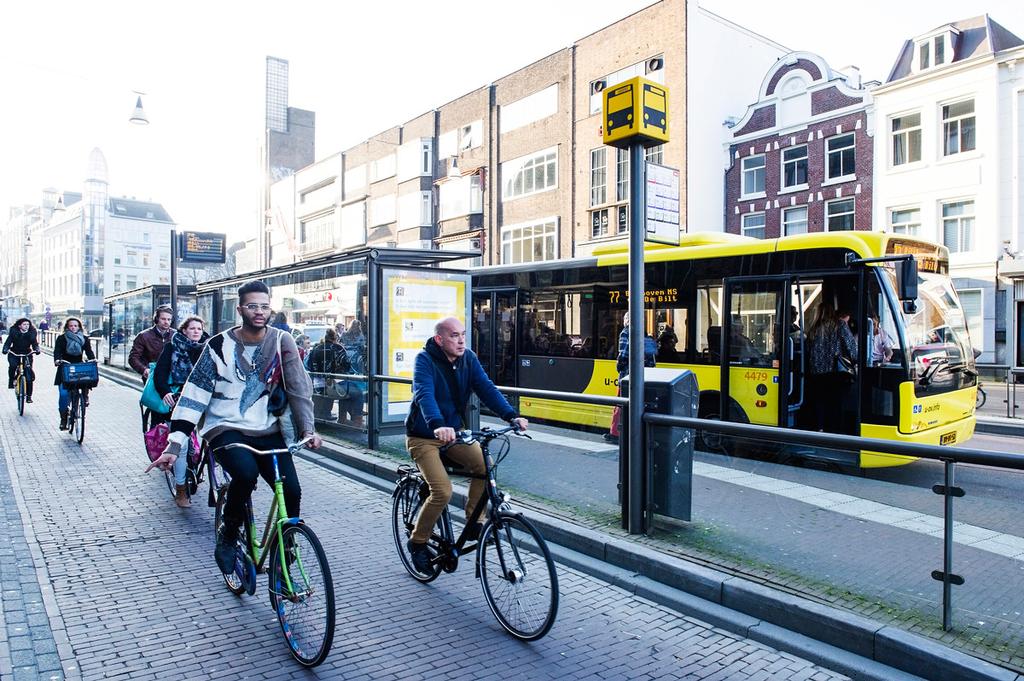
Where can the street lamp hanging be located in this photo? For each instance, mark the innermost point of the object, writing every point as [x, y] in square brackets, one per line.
[139, 116]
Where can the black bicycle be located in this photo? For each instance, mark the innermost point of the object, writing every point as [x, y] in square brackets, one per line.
[979, 400]
[21, 374]
[76, 393]
[513, 563]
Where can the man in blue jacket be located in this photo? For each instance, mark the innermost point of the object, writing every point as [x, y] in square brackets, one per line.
[445, 375]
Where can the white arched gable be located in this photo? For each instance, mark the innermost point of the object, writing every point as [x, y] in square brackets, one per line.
[794, 99]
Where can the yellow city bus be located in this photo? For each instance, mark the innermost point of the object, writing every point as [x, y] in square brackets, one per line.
[736, 311]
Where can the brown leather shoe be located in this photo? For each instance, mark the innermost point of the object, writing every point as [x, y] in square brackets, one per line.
[180, 497]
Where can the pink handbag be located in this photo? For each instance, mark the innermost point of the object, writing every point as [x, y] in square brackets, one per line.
[156, 442]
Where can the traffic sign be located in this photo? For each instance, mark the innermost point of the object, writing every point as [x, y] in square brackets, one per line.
[635, 111]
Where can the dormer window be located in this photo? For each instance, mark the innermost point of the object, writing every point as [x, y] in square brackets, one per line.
[931, 50]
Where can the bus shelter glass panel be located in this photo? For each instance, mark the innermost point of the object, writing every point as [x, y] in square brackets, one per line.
[118, 355]
[414, 300]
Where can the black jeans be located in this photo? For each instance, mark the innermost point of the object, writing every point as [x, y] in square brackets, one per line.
[245, 468]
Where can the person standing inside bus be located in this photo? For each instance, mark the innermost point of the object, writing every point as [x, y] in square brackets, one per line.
[622, 366]
[831, 342]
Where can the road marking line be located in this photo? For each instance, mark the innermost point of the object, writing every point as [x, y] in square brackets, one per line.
[864, 509]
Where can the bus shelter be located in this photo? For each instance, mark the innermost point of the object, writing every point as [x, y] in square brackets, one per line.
[383, 303]
[125, 315]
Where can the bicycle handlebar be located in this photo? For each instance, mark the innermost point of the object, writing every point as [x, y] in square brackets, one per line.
[468, 437]
[267, 452]
[88, 361]
[16, 354]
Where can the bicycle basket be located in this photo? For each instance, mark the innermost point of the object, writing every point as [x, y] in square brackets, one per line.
[84, 375]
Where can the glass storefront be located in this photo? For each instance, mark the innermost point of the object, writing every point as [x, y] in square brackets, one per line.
[128, 314]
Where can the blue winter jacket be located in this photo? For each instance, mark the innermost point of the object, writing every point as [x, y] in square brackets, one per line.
[434, 406]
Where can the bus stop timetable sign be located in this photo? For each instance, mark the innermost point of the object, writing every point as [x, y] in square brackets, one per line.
[662, 204]
[208, 247]
[635, 111]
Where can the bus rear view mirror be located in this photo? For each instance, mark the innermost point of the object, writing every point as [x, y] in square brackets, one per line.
[906, 280]
[910, 306]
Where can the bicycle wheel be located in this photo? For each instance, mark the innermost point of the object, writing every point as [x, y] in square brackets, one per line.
[233, 580]
[81, 418]
[518, 577]
[22, 389]
[406, 502]
[72, 414]
[980, 399]
[306, 610]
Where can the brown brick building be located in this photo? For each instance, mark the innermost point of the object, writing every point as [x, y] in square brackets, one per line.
[800, 160]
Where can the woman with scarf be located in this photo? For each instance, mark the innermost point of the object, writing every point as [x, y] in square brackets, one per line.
[70, 346]
[172, 369]
[23, 341]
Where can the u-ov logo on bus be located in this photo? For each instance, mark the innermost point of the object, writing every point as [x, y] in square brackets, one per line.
[918, 408]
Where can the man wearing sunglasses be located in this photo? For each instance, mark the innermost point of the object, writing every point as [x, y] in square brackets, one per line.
[247, 382]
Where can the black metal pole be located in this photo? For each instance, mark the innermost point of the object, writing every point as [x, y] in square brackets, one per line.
[174, 278]
[947, 550]
[635, 432]
[376, 309]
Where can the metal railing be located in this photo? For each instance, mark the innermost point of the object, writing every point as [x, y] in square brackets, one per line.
[948, 456]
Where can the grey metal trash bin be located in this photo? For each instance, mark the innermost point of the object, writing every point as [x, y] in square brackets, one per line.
[670, 456]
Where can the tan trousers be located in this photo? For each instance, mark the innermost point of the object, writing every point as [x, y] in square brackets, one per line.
[426, 453]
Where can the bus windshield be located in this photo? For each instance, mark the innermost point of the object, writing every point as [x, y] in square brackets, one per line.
[939, 349]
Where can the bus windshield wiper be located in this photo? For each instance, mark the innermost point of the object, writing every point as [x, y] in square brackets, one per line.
[962, 366]
[933, 366]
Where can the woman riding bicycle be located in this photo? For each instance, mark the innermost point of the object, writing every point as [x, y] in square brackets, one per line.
[72, 346]
[21, 340]
[172, 369]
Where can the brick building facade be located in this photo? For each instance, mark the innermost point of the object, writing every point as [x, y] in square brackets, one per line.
[800, 159]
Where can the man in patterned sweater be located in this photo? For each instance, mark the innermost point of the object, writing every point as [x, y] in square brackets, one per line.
[228, 398]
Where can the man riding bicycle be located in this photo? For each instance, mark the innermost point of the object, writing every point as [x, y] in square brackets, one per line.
[21, 340]
[234, 395]
[445, 375]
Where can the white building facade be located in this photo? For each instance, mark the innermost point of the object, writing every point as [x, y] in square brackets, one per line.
[949, 162]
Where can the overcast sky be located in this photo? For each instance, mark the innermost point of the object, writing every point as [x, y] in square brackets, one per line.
[69, 69]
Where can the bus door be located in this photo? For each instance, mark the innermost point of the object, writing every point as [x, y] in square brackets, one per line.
[755, 350]
[494, 334]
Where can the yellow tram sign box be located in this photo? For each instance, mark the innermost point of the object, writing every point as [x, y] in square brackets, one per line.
[635, 111]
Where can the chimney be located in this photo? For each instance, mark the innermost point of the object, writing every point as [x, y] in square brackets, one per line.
[851, 74]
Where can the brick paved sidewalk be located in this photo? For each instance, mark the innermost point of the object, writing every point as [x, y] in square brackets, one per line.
[104, 577]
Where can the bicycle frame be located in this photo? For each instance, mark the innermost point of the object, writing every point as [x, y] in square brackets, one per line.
[277, 518]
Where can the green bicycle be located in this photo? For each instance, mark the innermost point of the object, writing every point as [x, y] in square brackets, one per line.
[300, 584]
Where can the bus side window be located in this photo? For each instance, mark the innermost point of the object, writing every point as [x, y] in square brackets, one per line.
[709, 315]
[671, 335]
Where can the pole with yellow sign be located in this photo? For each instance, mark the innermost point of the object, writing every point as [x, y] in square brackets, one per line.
[634, 117]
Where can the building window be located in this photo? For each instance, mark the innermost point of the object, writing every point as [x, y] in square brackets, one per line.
[117, 283]
[794, 221]
[598, 173]
[839, 215]
[317, 234]
[382, 210]
[382, 168]
[924, 51]
[958, 133]
[794, 166]
[940, 50]
[905, 221]
[355, 181]
[530, 174]
[971, 302]
[840, 157]
[906, 139]
[145, 259]
[471, 136]
[655, 154]
[131, 281]
[353, 225]
[958, 226]
[414, 159]
[623, 219]
[529, 109]
[530, 242]
[753, 225]
[460, 196]
[753, 175]
[599, 223]
[622, 175]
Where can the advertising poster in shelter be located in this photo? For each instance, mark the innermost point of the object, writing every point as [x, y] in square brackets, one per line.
[415, 300]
